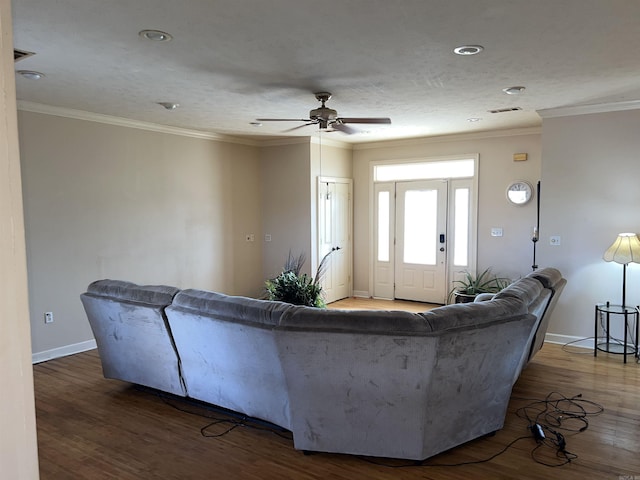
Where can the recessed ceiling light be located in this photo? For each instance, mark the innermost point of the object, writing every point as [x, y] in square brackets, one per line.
[31, 75]
[513, 90]
[256, 124]
[473, 119]
[468, 49]
[169, 105]
[155, 35]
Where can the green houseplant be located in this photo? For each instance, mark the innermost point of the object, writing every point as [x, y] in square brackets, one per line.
[470, 286]
[299, 289]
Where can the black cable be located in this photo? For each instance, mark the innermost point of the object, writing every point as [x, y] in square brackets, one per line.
[460, 464]
[235, 419]
[555, 411]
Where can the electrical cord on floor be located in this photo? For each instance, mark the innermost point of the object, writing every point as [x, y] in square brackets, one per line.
[544, 417]
[557, 412]
[422, 463]
[218, 415]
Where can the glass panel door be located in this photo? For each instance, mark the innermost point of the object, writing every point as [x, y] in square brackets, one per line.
[420, 267]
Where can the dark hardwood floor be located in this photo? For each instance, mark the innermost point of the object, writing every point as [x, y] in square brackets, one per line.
[93, 428]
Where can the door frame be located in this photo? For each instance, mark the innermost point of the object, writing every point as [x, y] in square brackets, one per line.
[452, 271]
[349, 257]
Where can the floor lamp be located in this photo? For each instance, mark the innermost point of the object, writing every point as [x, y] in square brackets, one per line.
[625, 249]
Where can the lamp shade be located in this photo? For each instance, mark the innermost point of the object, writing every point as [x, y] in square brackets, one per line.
[625, 249]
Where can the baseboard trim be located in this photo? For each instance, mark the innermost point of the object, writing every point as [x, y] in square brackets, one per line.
[579, 342]
[361, 294]
[63, 351]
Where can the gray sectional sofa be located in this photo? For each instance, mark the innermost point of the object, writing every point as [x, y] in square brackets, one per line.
[377, 383]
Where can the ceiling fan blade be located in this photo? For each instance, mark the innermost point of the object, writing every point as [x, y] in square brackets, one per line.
[344, 128]
[299, 126]
[380, 120]
[283, 119]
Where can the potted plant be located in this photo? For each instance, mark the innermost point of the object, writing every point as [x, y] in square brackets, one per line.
[292, 287]
[470, 286]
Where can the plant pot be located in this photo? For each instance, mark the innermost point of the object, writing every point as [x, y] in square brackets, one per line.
[464, 297]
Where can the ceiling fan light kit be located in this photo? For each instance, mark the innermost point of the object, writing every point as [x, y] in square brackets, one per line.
[326, 118]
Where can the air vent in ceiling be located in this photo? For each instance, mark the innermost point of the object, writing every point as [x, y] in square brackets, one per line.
[503, 110]
[20, 54]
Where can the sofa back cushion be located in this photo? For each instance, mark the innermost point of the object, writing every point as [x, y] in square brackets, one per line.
[160, 295]
[133, 337]
[386, 322]
[473, 313]
[228, 350]
[231, 308]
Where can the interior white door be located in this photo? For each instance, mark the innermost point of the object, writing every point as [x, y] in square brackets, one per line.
[421, 243]
[334, 227]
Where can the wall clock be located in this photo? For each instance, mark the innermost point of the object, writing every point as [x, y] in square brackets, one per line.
[519, 192]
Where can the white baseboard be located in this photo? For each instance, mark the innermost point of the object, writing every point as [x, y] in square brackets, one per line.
[63, 351]
[579, 342]
[361, 294]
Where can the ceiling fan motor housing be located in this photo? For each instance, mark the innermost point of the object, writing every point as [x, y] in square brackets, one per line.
[323, 113]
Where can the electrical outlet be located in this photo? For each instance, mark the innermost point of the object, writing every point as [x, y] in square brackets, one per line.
[250, 237]
[555, 240]
[48, 317]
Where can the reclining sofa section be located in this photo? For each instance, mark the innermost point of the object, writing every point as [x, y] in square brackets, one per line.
[378, 383]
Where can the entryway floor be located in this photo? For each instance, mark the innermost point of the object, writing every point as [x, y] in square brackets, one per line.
[360, 303]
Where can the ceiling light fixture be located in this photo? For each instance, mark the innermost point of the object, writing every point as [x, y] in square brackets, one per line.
[514, 90]
[155, 35]
[169, 105]
[473, 119]
[256, 124]
[31, 75]
[468, 49]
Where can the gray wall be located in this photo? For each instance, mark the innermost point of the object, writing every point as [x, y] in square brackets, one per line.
[590, 171]
[104, 201]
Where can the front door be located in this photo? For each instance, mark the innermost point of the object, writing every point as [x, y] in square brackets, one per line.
[420, 253]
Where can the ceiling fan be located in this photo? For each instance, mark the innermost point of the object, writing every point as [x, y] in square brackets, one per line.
[327, 117]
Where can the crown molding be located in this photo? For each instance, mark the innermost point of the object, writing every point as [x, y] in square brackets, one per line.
[125, 122]
[456, 137]
[311, 140]
[277, 142]
[587, 109]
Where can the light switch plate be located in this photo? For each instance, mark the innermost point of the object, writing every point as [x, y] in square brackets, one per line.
[496, 231]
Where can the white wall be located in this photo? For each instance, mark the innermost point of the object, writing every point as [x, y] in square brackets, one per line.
[18, 444]
[509, 255]
[590, 172]
[104, 201]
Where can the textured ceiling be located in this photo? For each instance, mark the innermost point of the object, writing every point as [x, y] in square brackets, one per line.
[231, 61]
